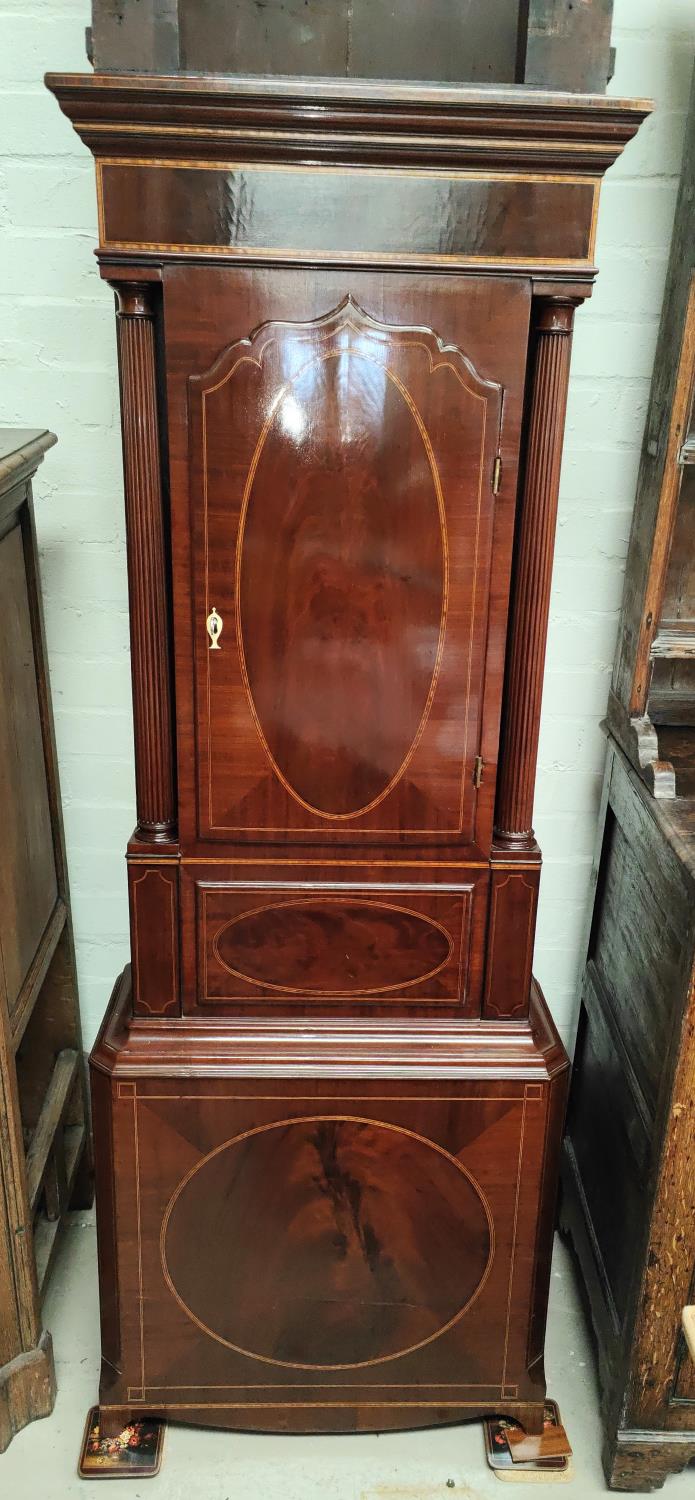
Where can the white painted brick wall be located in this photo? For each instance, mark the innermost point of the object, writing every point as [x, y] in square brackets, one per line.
[58, 369]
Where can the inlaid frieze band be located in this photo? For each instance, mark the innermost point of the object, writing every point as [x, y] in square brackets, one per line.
[272, 211]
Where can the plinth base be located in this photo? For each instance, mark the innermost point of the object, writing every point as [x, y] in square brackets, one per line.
[326, 1226]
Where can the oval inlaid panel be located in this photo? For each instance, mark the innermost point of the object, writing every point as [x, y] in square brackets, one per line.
[333, 947]
[343, 527]
[326, 1243]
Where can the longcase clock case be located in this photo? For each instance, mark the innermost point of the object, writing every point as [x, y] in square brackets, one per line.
[328, 1097]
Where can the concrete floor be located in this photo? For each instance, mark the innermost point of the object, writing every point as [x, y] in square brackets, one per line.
[41, 1462]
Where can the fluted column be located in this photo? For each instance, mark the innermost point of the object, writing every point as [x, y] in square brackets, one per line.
[534, 547]
[147, 569]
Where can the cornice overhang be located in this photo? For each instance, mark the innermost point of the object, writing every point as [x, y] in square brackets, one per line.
[311, 120]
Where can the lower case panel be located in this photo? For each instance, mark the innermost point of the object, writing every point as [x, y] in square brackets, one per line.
[384, 946]
[322, 1253]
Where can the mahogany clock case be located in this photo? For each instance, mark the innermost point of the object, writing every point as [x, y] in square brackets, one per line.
[344, 324]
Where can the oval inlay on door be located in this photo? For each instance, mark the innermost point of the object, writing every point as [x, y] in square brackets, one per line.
[333, 947]
[342, 581]
[304, 1243]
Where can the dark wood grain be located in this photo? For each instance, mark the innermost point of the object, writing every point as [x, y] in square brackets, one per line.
[628, 1198]
[566, 43]
[552, 43]
[45, 1156]
[317, 687]
[28, 880]
[533, 575]
[154, 926]
[302, 119]
[258, 212]
[357, 1210]
[242, 953]
[643, 1463]
[462, 39]
[513, 908]
[656, 617]
[368, 1280]
[125, 36]
[355, 605]
[357, 1061]
[395, 947]
[153, 708]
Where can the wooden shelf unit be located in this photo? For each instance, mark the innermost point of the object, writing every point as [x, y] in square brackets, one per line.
[45, 1150]
[651, 710]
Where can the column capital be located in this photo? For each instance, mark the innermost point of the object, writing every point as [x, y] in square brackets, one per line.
[555, 315]
[134, 299]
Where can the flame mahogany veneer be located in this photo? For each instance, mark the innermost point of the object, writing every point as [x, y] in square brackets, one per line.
[328, 1101]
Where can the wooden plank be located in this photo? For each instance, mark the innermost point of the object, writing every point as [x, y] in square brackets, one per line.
[676, 643]
[562, 44]
[126, 36]
[447, 40]
[457, 41]
[38, 970]
[47, 1232]
[659, 478]
[50, 1119]
[568, 44]
[20, 1313]
[280, 36]
[28, 878]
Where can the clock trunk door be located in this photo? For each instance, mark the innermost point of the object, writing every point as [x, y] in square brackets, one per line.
[343, 433]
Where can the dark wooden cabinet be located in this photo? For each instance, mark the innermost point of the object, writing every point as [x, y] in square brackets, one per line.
[45, 1152]
[628, 1183]
[628, 1180]
[328, 1099]
[651, 711]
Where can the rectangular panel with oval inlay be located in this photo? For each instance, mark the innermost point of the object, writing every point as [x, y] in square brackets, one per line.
[333, 945]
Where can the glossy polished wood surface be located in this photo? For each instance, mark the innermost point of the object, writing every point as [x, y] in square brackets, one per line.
[334, 1202]
[363, 1232]
[398, 946]
[328, 1137]
[299, 937]
[534, 561]
[147, 568]
[262, 212]
[346, 544]
[316, 120]
[358, 610]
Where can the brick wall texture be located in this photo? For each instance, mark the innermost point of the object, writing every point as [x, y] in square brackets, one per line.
[58, 370]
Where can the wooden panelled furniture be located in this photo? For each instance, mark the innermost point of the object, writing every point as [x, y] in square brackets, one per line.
[45, 1156]
[652, 703]
[328, 1098]
[628, 1176]
[628, 1200]
[547, 43]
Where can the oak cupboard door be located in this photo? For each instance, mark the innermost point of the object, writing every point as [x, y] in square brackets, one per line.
[341, 467]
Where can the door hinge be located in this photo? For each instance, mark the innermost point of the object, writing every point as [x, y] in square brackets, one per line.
[478, 772]
[497, 475]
